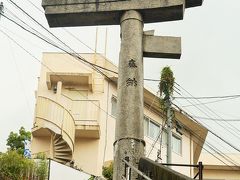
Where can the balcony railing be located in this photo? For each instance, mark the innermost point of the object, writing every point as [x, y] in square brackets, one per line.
[86, 116]
[85, 110]
[51, 115]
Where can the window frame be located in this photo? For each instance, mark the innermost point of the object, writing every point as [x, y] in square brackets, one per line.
[150, 120]
[174, 135]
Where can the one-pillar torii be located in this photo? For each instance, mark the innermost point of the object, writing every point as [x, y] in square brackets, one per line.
[135, 44]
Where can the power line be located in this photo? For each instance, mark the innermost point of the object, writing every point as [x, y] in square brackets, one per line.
[20, 80]
[227, 158]
[222, 139]
[81, 58]
[211, 102]
[75, 54]
[103, 110]
[216, 150]
[40, 10]
[200, 138]
[204, 112]
[216, 119]
[51, 43]
[210, 110]
[94, 64]
[48, 68]
[160, 134]
[210, 97]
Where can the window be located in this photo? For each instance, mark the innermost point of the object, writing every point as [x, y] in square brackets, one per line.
[154, 130]
[114, 107]
[176, 144]
[151, 129]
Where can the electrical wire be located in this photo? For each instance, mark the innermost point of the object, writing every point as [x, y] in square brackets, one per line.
[208, 109]
[48, 68]
[40, 10]
[154, 143]
[72, 54]
[212, 147]
[207, 143]
[20, 80]
[210, 97]
[210, 137]
[11, 1]
[216, 150]
[81, 58]
[38, 60]
[216, 119]
[213, 133]
[95, 67]
[37, 35]
[233, 128]
[211, 102]
[228, 159]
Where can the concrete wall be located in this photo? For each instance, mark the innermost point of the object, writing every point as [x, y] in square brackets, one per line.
[219, 174]
[217, 170]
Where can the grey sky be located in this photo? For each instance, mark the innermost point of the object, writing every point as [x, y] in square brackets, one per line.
[209, 65]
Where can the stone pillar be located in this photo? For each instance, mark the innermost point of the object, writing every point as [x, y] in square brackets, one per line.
[129, 123]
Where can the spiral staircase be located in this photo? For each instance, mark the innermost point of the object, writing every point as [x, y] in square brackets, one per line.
[53, 120]
[61, 151]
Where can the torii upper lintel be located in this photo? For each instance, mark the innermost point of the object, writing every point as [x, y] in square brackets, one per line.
[64, 13]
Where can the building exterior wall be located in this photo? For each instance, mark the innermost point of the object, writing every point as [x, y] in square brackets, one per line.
[214, 169]
[218, 174]
[94, 103]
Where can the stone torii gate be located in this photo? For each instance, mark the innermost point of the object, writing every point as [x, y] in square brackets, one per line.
[135, 44]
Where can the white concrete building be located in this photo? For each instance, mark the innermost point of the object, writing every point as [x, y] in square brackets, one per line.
[75, 117]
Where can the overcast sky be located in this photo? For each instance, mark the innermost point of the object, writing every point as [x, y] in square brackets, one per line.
[209, 65]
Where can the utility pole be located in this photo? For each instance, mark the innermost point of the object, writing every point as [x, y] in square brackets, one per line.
[135, 44]
[166, 87]
[169, 131]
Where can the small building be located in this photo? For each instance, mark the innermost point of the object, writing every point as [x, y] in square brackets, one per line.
[215, 169]
[75, 117]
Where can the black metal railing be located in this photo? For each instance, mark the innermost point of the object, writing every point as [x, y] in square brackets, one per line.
[199, 166]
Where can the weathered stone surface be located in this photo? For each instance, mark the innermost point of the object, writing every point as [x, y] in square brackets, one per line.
[98, 12]
[129, 132]
[161, 47]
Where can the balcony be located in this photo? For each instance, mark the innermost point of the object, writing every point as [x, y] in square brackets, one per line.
[86, 116]
[70, 79]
